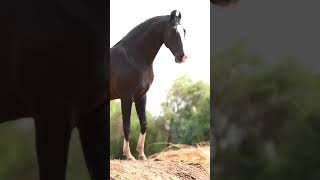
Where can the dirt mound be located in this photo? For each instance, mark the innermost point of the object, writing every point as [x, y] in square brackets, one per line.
[175, 162]
[197, 153]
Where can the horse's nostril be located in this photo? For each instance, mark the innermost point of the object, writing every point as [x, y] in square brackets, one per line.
[184, 58]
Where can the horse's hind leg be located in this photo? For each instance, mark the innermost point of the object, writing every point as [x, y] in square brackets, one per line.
[126, 105]
[94, 135]
[52, 141]
[141, 110]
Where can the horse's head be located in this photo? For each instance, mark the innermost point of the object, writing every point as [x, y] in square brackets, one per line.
[223, 2]
[174, 35]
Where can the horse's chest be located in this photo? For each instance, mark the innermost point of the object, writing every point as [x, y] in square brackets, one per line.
[144, 82]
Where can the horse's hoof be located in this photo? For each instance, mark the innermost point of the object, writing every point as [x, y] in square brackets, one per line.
[131, 158]
[142, 157]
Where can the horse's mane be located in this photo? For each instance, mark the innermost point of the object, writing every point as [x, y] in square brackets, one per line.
[142, 27]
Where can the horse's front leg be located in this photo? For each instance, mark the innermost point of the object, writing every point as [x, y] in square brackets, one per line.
[141, 110]
[94, 135]
[53, 132]
[126, 105]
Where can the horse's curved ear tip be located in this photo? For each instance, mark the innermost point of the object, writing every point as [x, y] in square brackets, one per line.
[175, 11]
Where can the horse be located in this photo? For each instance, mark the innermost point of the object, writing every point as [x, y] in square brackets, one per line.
[131, 68]
[53, 69]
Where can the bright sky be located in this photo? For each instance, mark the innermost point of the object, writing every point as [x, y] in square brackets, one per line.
[126, 14]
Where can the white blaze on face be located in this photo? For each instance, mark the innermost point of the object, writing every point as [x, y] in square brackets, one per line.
[180, 31]
[177, 13]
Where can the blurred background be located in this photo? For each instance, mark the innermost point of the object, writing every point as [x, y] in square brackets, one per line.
[265, 91]
[18, 159]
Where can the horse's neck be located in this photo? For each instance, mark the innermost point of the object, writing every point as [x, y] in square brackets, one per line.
[150, 42]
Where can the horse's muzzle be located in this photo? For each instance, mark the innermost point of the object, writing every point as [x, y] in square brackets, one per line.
[181, 58]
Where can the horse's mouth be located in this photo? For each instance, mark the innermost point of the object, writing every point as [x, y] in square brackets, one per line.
[181, 59]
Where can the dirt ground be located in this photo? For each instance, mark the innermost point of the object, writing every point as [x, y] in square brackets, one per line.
[176, 162]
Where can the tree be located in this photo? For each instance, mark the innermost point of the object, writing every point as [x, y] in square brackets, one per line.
[187, 109]
[266, 117]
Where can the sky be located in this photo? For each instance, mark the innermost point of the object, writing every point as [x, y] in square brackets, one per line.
[126, 14]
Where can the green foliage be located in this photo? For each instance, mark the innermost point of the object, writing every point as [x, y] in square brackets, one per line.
[266, 117]
[188, 110]
[18, 159]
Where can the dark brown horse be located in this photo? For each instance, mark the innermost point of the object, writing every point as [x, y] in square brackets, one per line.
[131, 71]
[53, 69]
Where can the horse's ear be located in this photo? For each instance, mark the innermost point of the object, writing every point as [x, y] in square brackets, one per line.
[175, 16]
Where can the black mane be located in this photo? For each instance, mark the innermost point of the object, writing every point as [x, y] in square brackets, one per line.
[142, 27]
